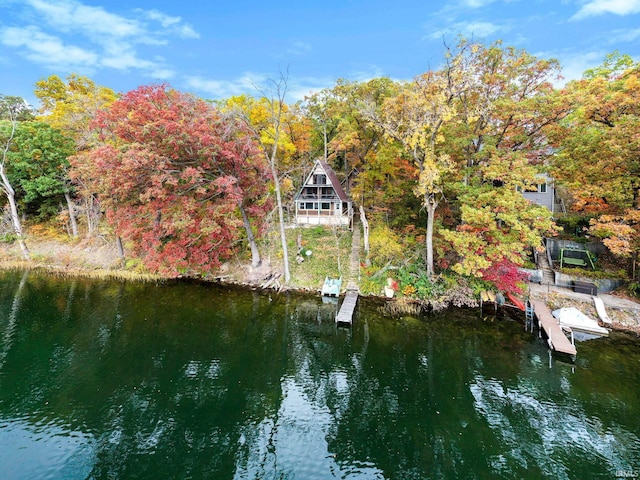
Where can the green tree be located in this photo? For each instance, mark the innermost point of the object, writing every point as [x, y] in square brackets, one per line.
[39, 166]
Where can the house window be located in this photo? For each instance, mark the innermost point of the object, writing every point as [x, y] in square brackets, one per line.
[326, 206]
[319, 179]
[309, 206]
[539, 188]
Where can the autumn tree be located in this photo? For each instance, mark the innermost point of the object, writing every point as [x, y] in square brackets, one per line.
[598, 145]
[414, 119]
[266, 118]
[377, 171]
[598, 157]
[172, 173]
[70, 106]
[621, 235]
[505, 106]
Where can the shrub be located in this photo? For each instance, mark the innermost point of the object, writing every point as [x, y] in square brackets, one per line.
[384, 245]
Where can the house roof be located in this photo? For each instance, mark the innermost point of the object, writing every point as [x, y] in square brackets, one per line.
[333, 180]
[335, 183]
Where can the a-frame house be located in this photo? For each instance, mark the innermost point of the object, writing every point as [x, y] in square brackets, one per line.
[321, 200]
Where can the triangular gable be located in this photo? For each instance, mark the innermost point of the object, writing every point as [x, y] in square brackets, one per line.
[332, 180]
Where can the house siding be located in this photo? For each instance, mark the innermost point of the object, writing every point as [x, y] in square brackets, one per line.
[321, 200]
[546, 198]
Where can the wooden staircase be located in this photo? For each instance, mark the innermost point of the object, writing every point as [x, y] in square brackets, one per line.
[548, 277]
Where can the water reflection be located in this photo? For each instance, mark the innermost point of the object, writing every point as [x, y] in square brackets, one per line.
[112, 380]
[548, 434]
[44, 450]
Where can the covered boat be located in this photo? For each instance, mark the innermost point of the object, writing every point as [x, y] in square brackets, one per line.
[578, 321]
[331, 287]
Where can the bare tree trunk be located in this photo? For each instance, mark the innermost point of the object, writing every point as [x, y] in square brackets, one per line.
[365, 228]
[256, 261]
[87, 206]
[276, 106]
[15, 217]
[324, 134]
[283, 233]
[11, 195]
[72, 215]
[93, 214]
[281, 89]
[120, 249]
[431, 212]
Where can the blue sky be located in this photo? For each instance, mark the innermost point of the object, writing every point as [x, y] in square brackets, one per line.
[221, 48]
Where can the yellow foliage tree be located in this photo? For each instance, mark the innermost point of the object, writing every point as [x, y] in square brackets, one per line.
[71, 107]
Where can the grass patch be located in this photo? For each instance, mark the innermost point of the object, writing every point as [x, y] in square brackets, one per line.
[330, 250]
[63, 272]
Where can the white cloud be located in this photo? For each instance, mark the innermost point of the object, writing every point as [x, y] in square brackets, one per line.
[600, 7]
[623, 36]
[71, 16]
[109, 40]
[171, 24]
[162, 74]
[299, 48]
[574, 65]
[468, 30]
[249, 83]
[257, 85]
[477, 3]
[46, 49]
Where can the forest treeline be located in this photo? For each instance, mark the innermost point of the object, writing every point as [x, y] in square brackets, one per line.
[438, 163]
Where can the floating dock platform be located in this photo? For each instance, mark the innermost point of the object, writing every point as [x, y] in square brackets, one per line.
[558, 341]
[345, 315]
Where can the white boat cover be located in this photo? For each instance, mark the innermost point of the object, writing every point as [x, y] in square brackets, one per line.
[574, 318]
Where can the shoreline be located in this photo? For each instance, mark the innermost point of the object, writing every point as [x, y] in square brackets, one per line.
[93, 259]
[620, 309]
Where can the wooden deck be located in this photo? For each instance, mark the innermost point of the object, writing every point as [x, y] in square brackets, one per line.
[345, 315]
[558, 341]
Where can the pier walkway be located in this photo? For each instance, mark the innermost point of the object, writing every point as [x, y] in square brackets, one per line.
[558, 341]
[345, 315]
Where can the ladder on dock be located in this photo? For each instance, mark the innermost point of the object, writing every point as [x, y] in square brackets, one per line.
[345, 315]
[558, 341]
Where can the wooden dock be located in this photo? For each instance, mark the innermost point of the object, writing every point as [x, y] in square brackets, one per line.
[345, 315]
[558, 341]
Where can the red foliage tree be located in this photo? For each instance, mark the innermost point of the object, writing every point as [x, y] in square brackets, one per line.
[172, 174]
[505, 276]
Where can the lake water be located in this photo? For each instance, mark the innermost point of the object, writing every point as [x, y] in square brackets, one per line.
[111, 380]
